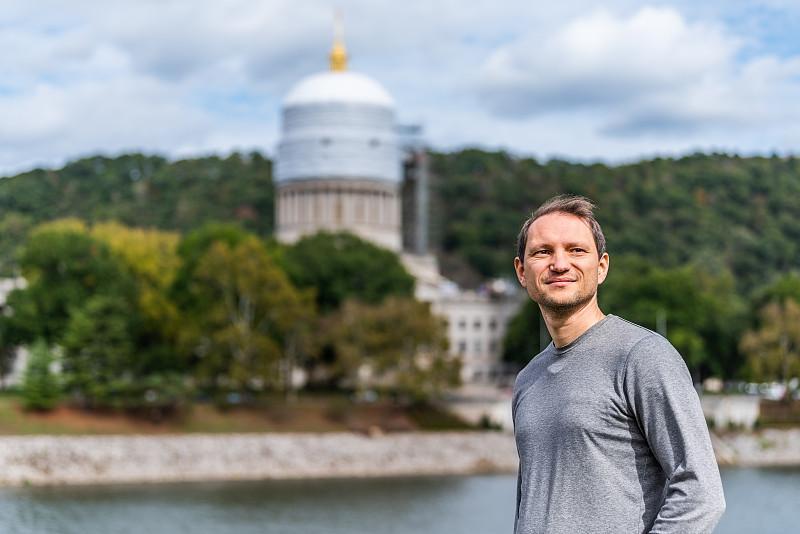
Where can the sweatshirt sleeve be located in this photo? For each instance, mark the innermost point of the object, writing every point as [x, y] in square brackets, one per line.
[519, 473]
[667, 408]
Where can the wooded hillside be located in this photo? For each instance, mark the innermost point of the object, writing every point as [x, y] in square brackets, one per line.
[141, 191]
[716, 211]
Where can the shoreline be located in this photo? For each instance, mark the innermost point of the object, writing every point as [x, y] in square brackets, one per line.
[114, 459]
[768, 447]
[81, 460]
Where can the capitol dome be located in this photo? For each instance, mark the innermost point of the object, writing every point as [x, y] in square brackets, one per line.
[338, 125]
[338, 164]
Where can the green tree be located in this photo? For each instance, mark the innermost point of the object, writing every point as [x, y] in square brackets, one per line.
[8, 356]
[14, 228]
[40, 385]
[249, 320]
[697, 311]
[342, 266]
[100, 366]
[100, 293]
[397, 346]
[786, 286]
[191, 250]
[152, 259]
[64, 268]
[8, 351]
[526, 336]
[773, 349]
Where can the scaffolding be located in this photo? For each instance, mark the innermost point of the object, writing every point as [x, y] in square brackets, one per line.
[414, 190]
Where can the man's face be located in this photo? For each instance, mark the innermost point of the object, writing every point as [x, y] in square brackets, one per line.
[561, 268]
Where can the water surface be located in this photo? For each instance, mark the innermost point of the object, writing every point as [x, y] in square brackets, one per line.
[759, 501]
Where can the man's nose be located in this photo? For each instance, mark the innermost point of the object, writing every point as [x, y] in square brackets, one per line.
[559, 262]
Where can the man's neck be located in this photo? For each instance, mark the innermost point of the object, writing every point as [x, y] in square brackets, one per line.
[565, 328]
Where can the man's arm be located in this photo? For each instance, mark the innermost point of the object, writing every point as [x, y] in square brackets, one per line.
[668, 411]
[519, 473]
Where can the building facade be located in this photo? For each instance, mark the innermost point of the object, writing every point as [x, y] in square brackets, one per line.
[477, 322]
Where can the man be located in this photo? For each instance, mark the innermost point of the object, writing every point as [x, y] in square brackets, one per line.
[609, 430]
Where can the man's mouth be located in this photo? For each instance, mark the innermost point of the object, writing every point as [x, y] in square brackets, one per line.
[559, 281]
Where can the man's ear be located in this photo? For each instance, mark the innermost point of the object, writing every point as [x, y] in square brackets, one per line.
[602, 270]
[519, 267]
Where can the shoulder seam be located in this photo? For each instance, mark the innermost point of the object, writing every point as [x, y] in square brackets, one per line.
[638, 326]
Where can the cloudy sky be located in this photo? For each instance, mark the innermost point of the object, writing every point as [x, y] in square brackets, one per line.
[612, 81]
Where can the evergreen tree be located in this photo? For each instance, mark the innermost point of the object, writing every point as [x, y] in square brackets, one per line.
[40, 385]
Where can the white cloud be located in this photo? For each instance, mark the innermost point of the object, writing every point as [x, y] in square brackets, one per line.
[602, 60]
[651, 72]
[195, 76]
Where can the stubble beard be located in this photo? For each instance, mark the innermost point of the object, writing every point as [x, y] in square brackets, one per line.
[562, 308]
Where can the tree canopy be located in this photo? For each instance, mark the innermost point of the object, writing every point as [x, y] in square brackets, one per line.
[143, 317]
[396, 345]
[341, 266]
[250, 312]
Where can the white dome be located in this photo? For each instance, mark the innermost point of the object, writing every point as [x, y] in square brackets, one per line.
[334, 86]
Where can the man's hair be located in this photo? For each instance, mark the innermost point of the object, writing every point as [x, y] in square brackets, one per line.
[580, 207]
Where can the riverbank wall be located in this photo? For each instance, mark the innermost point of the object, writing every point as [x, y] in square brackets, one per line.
[762, 448]
[77, 460]
[54, 460]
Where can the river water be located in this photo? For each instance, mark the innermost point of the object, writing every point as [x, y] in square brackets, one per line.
[759, 501]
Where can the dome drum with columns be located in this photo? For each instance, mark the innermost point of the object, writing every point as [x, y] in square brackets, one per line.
[367, 208]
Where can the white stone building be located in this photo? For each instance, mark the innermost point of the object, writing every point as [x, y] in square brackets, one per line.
[477, 324]
[477, 321]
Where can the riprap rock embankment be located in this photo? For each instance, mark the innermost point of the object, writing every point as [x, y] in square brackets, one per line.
[47, 460]
[43, 460]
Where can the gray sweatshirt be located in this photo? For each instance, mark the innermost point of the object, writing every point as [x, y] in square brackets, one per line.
[611, 439]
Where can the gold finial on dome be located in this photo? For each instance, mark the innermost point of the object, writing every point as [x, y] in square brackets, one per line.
[338, 57]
